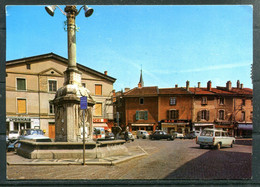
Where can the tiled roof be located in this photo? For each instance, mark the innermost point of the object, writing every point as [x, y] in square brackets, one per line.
[174, 91]
[201, 91]
[144, 91]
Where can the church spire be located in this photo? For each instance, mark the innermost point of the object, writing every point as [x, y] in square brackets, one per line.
[141, 82]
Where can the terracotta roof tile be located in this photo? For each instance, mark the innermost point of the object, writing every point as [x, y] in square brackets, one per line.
[174, 91]
[144, 91]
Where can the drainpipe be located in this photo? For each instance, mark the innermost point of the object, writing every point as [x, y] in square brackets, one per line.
[39, 95]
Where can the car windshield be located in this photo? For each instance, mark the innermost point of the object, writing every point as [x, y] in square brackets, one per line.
[13, 132]
[207, 133]
[33, 132]
[144, 132]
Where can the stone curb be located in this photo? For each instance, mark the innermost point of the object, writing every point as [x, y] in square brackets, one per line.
[105, 161]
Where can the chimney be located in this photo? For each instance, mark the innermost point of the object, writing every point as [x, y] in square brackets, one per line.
[242, 86]
[105, 72]
[198, 84]
[127, 89]
[209, 85]
[238, 84]
[228, 85]
[187, 85]
[176, 85]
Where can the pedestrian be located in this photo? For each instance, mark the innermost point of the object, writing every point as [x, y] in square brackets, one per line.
[126, 136]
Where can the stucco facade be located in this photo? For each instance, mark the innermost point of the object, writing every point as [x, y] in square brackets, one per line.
[41, 76]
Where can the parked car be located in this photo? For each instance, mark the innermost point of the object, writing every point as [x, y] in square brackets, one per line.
[142, 134]
[13, 135]
[215, 138]
[109, 136]
[130, 136]
[159, 134]
[190, 135]
[178, 135]
[36, 135]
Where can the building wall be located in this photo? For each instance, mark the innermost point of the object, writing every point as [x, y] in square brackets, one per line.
[37, 92]
[132, 105]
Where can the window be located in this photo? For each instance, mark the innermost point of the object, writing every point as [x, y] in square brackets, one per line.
[98, 89]
[84, 85]
[98, 109]
[173, 101]
[28, 66]
[221, 115]
[221, 101]
[21, 84]
[243, 102]
[51, 108]
[21, 106]
[52, 86]
[243, 116]
[251, 115]
[203, 115]
[141, 101]
[141, 115]
[204, 100]
[173, 114]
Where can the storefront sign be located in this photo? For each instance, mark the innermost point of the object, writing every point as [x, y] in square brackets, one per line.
[174, 121]
[100, 120]
[18, 119]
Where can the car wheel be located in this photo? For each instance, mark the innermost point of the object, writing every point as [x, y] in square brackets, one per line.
[218, 146]
[232, 144]
[201, 146]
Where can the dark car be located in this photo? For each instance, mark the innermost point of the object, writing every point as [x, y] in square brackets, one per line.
[157, 135]
[190, 136]
[109, 136]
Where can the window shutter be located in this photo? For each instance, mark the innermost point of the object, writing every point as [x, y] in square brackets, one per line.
[137, 115]
[21, 104]
[207, 115]
[177, 114]
[199, 115]
[146, 115]
[168, 114]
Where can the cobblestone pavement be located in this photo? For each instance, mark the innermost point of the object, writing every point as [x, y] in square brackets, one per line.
[178, 159]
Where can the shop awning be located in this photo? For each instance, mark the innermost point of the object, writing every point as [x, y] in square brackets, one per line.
[100, 125]
[203, 124]
[175, 123]
[245, 126]
[142, 124]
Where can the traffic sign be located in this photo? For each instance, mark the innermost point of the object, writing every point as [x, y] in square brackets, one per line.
[83, 103]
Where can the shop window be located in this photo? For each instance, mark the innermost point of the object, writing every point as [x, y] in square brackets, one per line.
[173, 101]
[21, 84]
[141, 115]
[98, 89]
[149, 128]
[204, 100]
[221, 115]
[173, 114]
[21, 106]
[98, 109]
[52, 85]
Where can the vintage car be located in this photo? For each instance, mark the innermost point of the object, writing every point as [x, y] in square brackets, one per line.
[215, 138]
[159, 134]
[142, 134]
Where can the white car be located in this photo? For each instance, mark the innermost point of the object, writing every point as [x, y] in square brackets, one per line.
[142, 134]
[178, 135]
[36, 135]
[13, 135]
[215, 138]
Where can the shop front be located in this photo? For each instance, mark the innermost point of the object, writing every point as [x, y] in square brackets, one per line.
[226, 127]
[100, 123]
[244, 130]
[180, 126]
[149, 127]
[18, 123]
[198, 127]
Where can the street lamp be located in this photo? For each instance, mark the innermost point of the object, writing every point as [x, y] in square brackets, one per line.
[70, 12]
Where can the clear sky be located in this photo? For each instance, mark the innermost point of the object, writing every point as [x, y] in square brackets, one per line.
[172, 44]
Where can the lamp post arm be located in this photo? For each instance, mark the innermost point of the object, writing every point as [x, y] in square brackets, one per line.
[79, 10]
[62, 11]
